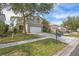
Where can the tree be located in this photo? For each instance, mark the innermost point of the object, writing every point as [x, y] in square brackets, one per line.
[72, 23]
[46, 25]
[2, 6]
[2, 28]
[13, 30]
[13, 19]
[6, 28]
[30, 9]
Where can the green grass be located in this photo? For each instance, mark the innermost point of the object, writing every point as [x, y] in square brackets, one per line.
[73, 35]
[18, 38]
[39, 48]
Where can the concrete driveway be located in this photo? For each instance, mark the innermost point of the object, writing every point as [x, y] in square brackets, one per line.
[64, 39]
[45, 34]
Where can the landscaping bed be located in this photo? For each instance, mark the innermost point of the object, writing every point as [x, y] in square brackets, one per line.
[46, 47]
[17, 38]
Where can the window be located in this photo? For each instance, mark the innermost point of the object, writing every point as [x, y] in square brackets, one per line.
[20, 27]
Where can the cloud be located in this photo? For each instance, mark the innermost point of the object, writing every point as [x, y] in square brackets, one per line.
[55, 22]
[59, 18]
[62, 11]
[63, 15]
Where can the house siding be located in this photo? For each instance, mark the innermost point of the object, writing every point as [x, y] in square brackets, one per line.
[32, 21]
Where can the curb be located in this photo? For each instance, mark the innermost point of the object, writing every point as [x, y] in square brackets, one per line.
[68, 49]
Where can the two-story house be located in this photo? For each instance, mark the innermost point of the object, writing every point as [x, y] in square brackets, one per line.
[33, 24]
[57, 27]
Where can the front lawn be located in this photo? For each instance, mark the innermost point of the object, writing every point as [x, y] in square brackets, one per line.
[39, 48]
[17, 38]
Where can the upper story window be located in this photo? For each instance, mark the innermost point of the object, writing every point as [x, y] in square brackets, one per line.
[30, 19]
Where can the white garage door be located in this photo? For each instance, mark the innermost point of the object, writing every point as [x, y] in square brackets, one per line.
[35, 29]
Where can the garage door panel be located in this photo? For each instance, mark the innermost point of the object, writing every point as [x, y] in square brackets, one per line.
[35, 29]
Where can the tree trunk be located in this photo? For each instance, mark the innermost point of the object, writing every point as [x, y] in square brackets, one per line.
[24, 24]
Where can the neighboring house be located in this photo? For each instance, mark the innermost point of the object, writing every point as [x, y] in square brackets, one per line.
[60, 28]
[2, 18]
[33, 24]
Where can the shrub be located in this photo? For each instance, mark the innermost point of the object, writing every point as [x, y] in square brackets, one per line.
[2, 28]
[6, 28]
[15, 30]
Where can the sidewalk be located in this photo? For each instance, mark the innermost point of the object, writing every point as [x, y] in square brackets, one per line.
[66, 39]
[68, 49]
[21, 42]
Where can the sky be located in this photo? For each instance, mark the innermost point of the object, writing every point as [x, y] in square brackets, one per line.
[57, 15]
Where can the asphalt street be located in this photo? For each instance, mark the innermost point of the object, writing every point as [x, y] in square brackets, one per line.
[76, 51]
